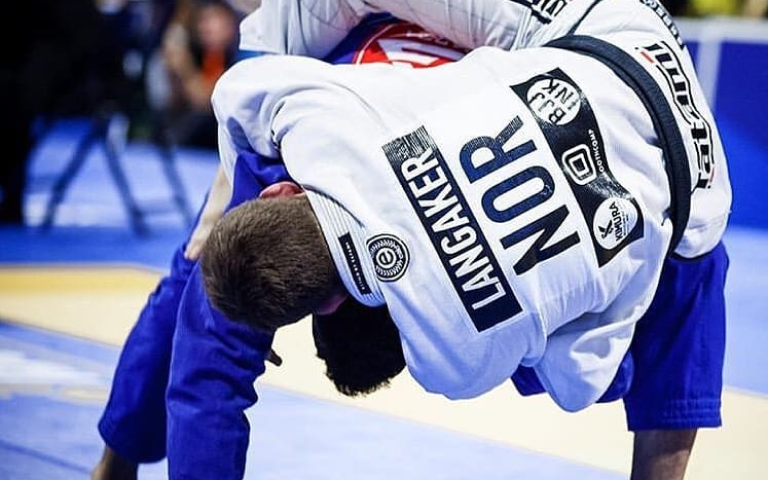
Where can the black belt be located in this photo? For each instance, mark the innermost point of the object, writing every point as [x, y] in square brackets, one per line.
[664, 123]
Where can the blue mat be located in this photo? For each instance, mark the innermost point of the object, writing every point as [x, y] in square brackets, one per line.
[47, 428]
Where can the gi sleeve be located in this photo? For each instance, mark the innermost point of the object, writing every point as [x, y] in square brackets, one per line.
[301, 27]
[313, 27]
[258, 101]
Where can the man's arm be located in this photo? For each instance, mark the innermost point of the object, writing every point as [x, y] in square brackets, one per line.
[213, 368]
[213, 209]
[298, 27]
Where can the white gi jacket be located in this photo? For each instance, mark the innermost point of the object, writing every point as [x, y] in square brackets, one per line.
[511, 208]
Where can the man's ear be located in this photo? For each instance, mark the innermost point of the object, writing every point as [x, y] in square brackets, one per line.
[281, 189]
[330, 305]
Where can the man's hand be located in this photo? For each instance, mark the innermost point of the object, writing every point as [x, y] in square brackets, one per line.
[218, 199]
[274, 358]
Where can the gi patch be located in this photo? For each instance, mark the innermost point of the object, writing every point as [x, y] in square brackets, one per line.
[390, 257]
[666, 61]
[407, 45]
[452, 228]
[568, 123]
[353, 262]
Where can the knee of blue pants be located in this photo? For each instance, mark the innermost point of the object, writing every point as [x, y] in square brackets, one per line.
[679, 347]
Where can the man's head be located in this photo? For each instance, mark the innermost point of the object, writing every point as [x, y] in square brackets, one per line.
[360, 347]
[266, 262]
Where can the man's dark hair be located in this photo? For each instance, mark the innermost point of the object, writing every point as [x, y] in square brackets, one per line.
[360, 347]
[266, 263]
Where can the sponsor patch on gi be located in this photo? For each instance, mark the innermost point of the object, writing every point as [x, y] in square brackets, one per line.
[614, 220]
[568, 122]
[579, 165]
[353, 262]
[452, 228]
[663, 57]
[390, 257]
[553, 101]
[407, 45]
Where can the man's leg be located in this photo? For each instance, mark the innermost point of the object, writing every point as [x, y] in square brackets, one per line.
[133, 424]
[112, 466]
[678, 352]
[661, 454]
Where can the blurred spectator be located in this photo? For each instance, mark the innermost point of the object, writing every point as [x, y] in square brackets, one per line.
[756, 8]
[199, 45]
[706, 8]
[68, 58]
[677, 8]
[49, 54]
[134, 30]
[245, 6]
[710, 8]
